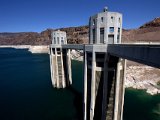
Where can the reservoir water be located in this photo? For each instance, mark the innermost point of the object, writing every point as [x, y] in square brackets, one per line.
[26, 91]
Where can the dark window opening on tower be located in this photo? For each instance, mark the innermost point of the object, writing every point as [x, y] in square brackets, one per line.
[111, 29]
[118, 38]
[101, 35]
[102, 19]
[94, 36]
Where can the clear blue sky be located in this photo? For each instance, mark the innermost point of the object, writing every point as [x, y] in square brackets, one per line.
[38, 15]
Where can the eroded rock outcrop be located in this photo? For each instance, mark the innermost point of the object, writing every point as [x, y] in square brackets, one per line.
[153, 23]
[75, 35]
[143, 77]
[149, 32]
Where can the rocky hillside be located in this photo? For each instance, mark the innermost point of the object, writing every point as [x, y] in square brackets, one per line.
[77, 35]
[25, 38]
[149, 32]
[153, 23]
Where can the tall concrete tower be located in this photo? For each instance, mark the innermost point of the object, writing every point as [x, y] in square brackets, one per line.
[60, 61]
[105, 28]
[99, 73]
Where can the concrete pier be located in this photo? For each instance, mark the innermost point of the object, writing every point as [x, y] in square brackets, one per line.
[93, 80]
[60, 67]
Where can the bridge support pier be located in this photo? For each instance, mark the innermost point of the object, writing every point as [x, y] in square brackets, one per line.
[94, 57]
[113, 88]
[120, 90]
[60, 64]
[103, 85]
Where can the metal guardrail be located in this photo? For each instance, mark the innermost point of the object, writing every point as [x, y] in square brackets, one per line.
[145, 54]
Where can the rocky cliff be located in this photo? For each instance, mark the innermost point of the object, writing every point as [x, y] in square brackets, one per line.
[139, 76]
[153, 23]
[78, 35]
[24, 38]
[149, 32]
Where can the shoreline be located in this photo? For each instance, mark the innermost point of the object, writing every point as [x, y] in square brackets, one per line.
[143, 78]
[31, 48]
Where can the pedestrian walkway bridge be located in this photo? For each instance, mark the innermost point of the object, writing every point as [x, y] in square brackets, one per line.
[148, 54]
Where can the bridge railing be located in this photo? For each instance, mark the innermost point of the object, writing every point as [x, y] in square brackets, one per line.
[145, 54]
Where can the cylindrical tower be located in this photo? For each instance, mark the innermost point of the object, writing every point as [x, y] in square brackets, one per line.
[105, 28]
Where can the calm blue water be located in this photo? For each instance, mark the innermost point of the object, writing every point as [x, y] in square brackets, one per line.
[139, 105]
[26, 92]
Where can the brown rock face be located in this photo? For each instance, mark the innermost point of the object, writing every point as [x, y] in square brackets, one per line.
[153, 23]
[26, 38]
[141, 35]
[75, 35]
[149, 32]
